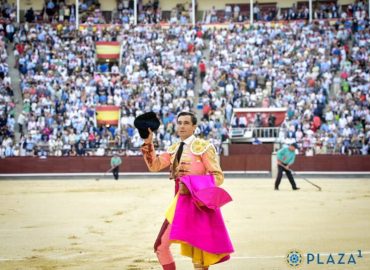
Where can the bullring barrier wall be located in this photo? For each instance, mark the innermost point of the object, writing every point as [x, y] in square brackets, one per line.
[136, 164]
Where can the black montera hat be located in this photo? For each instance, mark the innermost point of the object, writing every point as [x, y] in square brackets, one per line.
[145, 121]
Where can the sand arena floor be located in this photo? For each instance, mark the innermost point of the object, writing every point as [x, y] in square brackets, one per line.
[88, 224]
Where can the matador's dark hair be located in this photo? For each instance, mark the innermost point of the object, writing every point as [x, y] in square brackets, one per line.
[192, 116]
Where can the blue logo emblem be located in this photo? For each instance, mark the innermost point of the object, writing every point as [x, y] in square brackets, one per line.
[294, 258]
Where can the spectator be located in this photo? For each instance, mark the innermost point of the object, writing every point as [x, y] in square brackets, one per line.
[30, 15]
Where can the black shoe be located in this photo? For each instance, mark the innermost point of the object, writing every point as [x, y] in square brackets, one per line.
[297, 188]
[276, 188]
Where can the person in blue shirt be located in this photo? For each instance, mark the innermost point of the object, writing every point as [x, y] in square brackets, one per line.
[285, 158]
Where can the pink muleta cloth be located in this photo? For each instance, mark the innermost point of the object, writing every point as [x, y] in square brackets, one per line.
[198, 223]
[204, 191]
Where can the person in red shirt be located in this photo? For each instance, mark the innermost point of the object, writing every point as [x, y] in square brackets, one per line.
[20, 48]
[202, 70]
[191, 48]
[206, 110]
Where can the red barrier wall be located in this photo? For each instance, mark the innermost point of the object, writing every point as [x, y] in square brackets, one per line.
[251, 162]
[332, 163]
[68, 164]
[246, 163]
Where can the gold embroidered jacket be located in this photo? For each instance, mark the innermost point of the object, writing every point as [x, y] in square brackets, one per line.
[198, 158]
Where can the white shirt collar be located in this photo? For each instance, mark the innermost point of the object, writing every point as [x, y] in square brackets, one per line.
[189, 140]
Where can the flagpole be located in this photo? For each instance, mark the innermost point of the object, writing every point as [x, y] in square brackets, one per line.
[251, 12]
[77, 14]
[18, 10]
[135, 12]
[193, 11]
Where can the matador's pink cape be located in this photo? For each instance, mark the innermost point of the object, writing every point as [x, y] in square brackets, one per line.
[201, 227]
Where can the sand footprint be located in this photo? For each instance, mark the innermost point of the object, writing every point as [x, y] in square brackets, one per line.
[134, 267]
[140, 264]
[44, 249]
[93, 230]
[118, 213]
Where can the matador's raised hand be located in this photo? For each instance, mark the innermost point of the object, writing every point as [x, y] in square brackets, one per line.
[149, 140]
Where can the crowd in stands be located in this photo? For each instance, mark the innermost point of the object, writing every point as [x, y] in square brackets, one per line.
[90, 12]
[149, 13]
[7, 105]
[318, 71]
[60, 12]
[61, 87]
[265, 12]
[7, 11]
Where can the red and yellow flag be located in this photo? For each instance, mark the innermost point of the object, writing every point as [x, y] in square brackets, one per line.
[107, 49]
[107, 115]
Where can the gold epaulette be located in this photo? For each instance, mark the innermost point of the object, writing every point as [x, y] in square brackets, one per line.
[199, 146]
[173, 148]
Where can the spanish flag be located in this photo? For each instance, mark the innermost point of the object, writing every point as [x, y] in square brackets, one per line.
[107, 115]
[107, 49]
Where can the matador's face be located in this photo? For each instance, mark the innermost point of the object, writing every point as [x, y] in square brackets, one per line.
[185, 127]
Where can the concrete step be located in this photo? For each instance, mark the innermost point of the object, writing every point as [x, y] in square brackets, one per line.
[15, 80]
